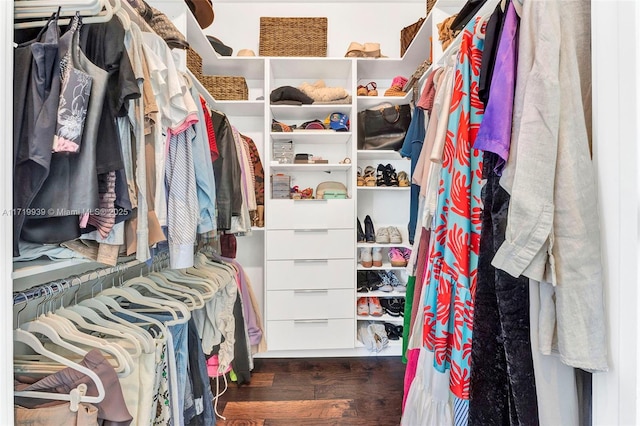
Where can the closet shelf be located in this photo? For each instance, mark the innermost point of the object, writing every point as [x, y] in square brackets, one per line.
[384, 188]
[288, 113]
[372, 245]
[321, 137]
[377, 155]
[385, 318]
[366, 102]
[386, 266]
[381, 294]
[310, 167]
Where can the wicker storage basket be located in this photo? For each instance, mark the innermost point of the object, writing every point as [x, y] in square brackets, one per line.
[430, 4]
[221, 87]
[293, 36]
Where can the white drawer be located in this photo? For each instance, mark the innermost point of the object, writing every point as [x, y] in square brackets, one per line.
[310, 304]
[311, 244]
[310, 274]
[310, 334]
[310, 214]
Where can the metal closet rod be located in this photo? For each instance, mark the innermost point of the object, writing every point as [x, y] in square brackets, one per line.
[54, 287]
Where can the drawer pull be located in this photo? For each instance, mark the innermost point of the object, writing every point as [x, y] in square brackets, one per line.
[325, 291]
[310, 261]
[310, 230]
[311, 321]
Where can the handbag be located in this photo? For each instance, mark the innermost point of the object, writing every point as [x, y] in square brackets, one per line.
[383, 128]
[408, 33]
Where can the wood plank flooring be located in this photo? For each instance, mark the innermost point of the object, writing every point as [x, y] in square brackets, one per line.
[317, 392]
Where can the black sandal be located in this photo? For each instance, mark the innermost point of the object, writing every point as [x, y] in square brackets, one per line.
[391, 178]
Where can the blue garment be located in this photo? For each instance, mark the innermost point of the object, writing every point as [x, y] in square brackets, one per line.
[179, 338]
[411, 148]
[205, 182]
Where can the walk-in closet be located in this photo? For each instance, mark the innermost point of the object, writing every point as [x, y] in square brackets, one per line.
[202, 193]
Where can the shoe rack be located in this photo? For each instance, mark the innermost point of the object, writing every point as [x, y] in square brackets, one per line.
[303, 263]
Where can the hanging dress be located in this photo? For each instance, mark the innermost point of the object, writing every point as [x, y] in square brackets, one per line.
[453, 256]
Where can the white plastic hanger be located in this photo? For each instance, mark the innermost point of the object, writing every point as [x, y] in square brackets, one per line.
[103, 313]
[23, 336]
[162, 292]
[113, 305]
[203, 287]
[177, 288]
[157, 305]
[77, 315]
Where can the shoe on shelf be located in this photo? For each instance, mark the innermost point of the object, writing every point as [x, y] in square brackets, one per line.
[394, 332]
[396, 256]
[374, 281]
[369, 231]
[360, 177]
[406, 253]
[386, 286]
[381, 176]
[403, 179]
[363, 307]
[362, 282]
[382, 236]
[395, 237]
[375, 308]
[376, 256]
[391, 178]
[361, 237]
[369, 176]
[393, 306]
[365, 257]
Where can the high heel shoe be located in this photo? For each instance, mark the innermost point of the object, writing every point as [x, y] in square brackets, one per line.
[361, 236]
[369, 231]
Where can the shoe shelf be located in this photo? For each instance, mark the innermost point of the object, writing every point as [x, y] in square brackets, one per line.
[381, 294]
[322, 137]
[374, 245]
[310, 167]
[289, 113]
[384, 188]
[386, 266]
[383, 318]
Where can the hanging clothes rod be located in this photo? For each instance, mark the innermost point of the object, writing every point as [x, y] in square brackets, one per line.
[54, 287]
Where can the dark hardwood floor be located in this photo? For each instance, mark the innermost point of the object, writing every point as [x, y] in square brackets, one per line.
[317, 391]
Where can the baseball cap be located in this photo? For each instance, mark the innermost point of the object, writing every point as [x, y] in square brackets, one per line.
[338, 121]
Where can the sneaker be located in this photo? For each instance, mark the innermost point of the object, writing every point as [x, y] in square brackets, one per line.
[396, 256]
[376, 256]
[386, 282]
[406, 253]
[369, 231]
[375, 308]
[363, 283]
[382, 236]
[373, 280]
[361, 237]
[363, 307]
[394, 235]
[365, 257]
[392, 306]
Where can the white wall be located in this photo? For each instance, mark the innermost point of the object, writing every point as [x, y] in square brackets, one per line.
[237, 23]
[616, 54]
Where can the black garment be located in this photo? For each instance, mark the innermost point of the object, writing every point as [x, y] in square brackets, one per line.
[468, 11]
[196, 356]
[240, 351]
[502, 387]
[492, 34]
[71, 188]
[227, 173]
[104, 46]
[36, 90]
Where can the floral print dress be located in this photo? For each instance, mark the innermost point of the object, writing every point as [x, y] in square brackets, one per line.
[453, 255]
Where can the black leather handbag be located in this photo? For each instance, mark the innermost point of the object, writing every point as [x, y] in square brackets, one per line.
[384, 128]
